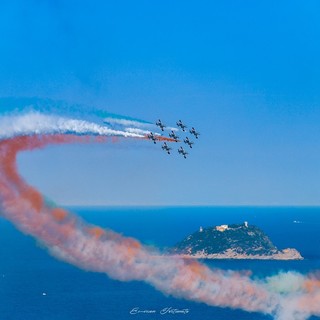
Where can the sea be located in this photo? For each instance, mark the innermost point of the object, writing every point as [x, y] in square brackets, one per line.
[36, 286]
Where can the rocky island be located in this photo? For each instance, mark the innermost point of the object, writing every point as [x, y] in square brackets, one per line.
[235, 241]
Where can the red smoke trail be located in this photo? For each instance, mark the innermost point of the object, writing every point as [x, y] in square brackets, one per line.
[92, 248]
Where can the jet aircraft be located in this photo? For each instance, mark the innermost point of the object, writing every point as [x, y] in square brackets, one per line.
[166, 148]
[181, 125]
[194, 132]
[173, 136]
[183, 152]
[188, 142]
[152, 137]
[160, 125]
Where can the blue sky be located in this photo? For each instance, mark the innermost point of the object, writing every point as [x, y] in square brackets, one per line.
[246, 74]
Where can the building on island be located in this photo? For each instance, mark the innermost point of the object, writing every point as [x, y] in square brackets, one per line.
[222, 228]
[201, 229]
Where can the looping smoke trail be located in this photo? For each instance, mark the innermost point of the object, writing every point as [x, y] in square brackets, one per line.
[92, 248]
[95, 249]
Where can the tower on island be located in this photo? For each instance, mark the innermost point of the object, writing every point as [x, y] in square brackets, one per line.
[246, 224]
[201, 229]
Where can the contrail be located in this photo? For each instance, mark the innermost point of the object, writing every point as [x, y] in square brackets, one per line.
[69, 238]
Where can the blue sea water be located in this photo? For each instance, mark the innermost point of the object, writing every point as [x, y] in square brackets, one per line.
[27, 270]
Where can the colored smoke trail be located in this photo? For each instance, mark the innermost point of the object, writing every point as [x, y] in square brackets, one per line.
[95, 249]
[285, 296]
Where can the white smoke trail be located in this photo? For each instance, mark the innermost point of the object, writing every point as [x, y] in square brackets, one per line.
[39, 123]
[127, 122]
[137, 131]
[146, 126]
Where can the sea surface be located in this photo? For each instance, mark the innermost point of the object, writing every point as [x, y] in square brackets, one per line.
[34, 285]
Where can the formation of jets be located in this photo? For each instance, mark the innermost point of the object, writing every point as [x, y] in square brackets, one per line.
[154, 137]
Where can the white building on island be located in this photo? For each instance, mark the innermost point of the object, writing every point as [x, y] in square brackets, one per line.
[222, 228]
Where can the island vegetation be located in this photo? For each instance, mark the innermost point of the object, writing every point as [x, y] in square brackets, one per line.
[235, 241]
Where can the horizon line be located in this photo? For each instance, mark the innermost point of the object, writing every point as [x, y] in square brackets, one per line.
[186, 205]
